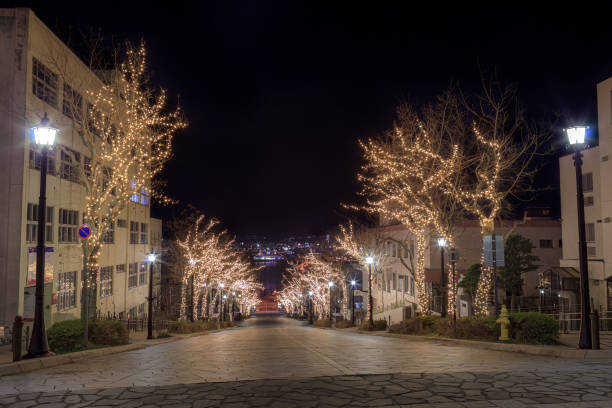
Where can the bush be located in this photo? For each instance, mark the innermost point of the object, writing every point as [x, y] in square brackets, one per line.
[472, 327]
[379, 325]
[182, 327]
[65, 336]
[534, 327]
[343, 324]
[107, 332]
[417, 325]
[163, 334]
[323, 323]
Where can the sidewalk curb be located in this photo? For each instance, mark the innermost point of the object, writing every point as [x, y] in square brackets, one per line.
[24, 366]
[550, 351]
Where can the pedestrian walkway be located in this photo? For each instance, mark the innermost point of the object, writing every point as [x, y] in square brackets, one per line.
[454, 389]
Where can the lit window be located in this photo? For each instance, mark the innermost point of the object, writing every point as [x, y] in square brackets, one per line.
[106, 281]
[44, 83]
[68, 221]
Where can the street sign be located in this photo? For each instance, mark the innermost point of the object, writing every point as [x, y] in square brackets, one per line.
[84, 231]
[493, 250]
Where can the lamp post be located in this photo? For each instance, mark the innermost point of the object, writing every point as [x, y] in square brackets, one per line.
[454, 286]
[310, 308]
[44, 136]
[353, 283]
[331, 285]
[151, 258]
[442, 244]
[576, 138]
[370, 260]
[221, 285]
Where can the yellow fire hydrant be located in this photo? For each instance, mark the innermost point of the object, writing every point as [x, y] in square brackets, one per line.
[504, 323]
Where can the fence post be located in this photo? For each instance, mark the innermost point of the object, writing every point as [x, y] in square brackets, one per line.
[16, 337]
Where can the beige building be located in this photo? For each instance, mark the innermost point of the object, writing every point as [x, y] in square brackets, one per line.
[29, 88]
[597, 185]
[395, 294]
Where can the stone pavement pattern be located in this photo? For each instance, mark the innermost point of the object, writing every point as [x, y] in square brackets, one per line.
[438, 390]
[296, 365]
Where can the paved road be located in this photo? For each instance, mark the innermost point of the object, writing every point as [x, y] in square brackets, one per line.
[313, 367]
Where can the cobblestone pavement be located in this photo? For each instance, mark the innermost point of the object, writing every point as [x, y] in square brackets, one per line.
[298, 365]
[458, 389]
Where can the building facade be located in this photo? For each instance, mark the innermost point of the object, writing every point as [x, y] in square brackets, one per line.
[597, 185]
[395, 292]
[30, 86]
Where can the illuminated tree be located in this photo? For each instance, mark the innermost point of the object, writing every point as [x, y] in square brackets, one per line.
[126, 130]
[406, 178]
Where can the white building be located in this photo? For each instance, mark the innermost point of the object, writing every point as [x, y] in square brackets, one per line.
[597, 184]
[29, 87]
[395, 292]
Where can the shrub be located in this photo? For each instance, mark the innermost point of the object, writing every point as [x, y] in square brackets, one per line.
[417, 325]
[323, 323]
[65, 336]
[343, 324]
[163, 334]
[107, 332]
[379, 325]
[534, 327]
[472, 327]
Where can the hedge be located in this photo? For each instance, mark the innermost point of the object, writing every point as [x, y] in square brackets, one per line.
[65, 336]
[379, 325]
[534, 327]
[107, 332]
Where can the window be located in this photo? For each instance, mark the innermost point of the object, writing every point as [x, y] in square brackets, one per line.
[141, 309]
[591, 251]
[587, 182]
[405, 252]
[411, 286]
[133, 232]
[133, 275]
[68, 222]
[139, 197]
[72, 103]
[69, 160]
[394, 250]
[560, 243]
[389, 285]
[394, 282]
[589, 201]
[106, 281]
[132, 313]
[109, 236]
[546, 243]
[590, 232]
[93, 120]
[121, 223]
[143, 233]
[142, 275]
[36, 159]
[44, 83]
[120, 268]
[66, 290]
[32, 224]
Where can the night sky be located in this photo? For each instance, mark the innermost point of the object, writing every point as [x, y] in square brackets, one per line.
[278, 93]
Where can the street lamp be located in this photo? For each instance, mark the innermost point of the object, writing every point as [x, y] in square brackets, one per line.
[442, 244]
[310, 308]
[44, 136]
[369, 260]
[221, 285]
[151, 258]
[576, 139]
[353, 283]
[331, 285]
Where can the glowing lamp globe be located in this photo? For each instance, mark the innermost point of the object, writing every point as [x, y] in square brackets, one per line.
[353, 283]
[441, 242]
[576, 134]
[151, 257]
[44, 133]
[369, 260]
[331, 284]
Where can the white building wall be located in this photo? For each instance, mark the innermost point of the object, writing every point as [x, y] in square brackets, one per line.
[23, 38]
